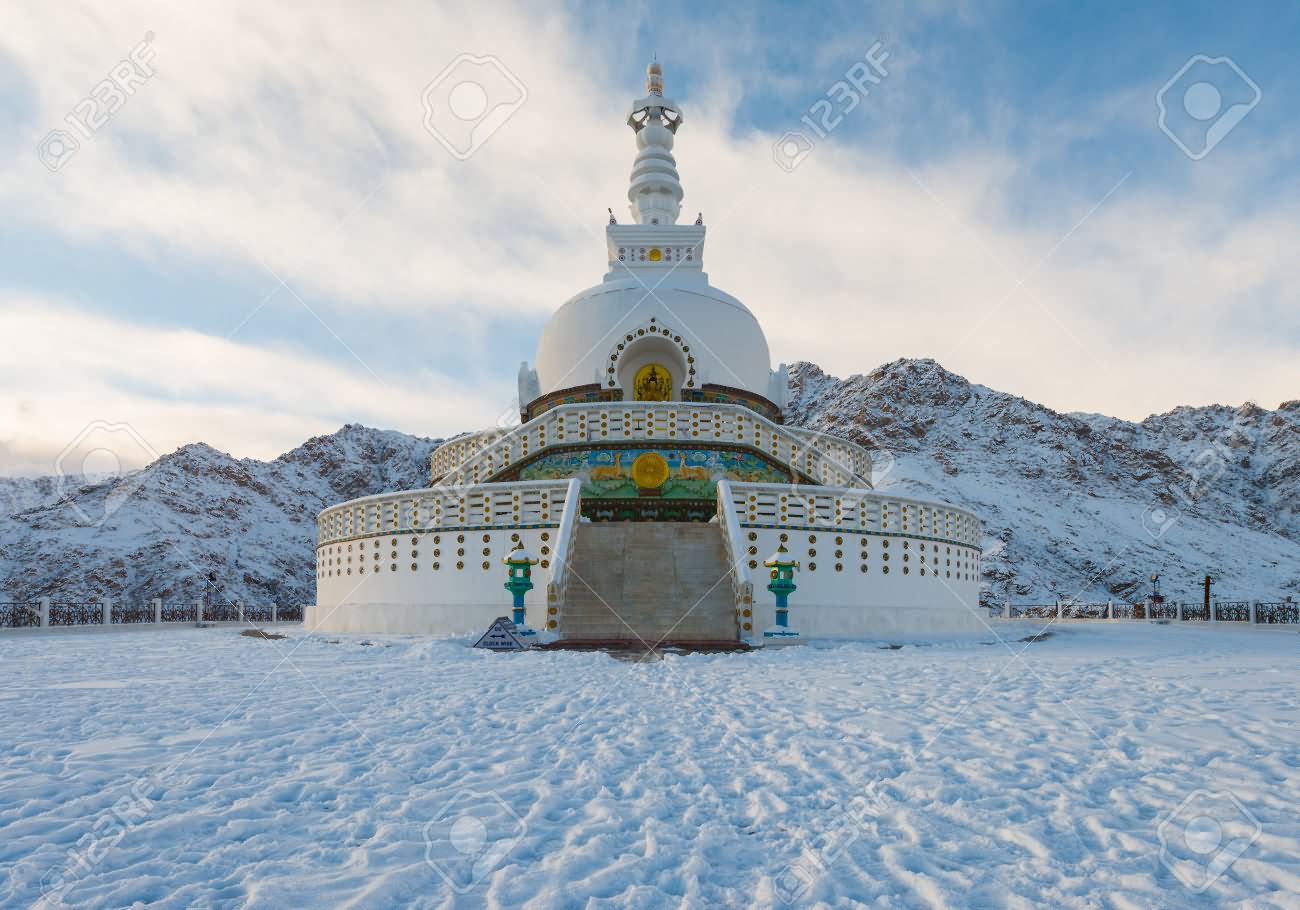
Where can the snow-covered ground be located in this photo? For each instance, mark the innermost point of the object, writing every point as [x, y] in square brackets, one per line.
[201, 768]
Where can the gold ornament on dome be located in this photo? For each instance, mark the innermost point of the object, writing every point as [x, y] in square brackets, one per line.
[649, 471]
[653, 383]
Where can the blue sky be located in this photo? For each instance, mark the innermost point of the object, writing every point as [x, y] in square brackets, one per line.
[1004, 201]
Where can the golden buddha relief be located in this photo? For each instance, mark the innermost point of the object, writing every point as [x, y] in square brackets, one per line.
[653, 383]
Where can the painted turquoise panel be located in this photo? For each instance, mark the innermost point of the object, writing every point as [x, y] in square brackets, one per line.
[692, 473]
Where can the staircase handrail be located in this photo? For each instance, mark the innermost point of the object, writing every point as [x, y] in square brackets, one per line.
[742, 586]
[565, 535]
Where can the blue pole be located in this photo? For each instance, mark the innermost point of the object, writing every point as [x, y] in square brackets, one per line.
[519, 608]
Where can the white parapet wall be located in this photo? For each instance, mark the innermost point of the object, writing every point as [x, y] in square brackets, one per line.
[825, 459]
[871, 564]
[429, 561]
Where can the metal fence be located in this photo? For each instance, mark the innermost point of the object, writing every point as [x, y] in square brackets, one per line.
[47, 613]
[180, 612]
[1221, 611]
[124, 614]
[1277, 612]
[1031, 611]
[291, 614]
[1231, 611]
[221, 612]
[20, 615]
[76, 614]
[257, 613]
[1084, 611]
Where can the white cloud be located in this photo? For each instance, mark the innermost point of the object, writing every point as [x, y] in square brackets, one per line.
[66, 368]
[296, 141]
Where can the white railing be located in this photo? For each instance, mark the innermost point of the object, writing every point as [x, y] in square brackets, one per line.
[450, 454]
[742, 587]
[527, 502]
[557, 588]
[845, 508]
[824, 459]
[847, 453]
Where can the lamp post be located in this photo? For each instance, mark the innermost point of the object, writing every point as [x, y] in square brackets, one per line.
[519, 569]
[782, 586]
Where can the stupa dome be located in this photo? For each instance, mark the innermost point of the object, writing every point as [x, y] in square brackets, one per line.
[655, 316]
[607, 333]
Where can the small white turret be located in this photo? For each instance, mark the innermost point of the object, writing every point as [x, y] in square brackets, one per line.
[655, 194]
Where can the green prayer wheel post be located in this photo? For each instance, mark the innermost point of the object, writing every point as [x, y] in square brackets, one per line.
[519, 568]
[782, 586]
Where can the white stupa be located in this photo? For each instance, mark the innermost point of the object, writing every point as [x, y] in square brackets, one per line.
[653, 465]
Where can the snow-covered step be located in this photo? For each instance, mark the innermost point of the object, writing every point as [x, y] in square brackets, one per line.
[650, 581]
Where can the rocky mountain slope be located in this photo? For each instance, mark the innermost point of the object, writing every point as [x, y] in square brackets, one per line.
[194, 511]
[1079, 505]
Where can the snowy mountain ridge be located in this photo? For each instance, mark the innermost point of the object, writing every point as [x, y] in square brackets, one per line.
[194, 511]
[1079, 505]
[1076, 505]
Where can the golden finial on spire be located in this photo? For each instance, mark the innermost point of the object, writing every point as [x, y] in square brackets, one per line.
[654, 77]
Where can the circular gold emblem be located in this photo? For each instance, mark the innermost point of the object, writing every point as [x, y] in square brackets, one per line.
[650, 470]
[653, 383]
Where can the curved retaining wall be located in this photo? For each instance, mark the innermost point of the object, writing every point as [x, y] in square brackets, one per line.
[429, 561]
[871, 564]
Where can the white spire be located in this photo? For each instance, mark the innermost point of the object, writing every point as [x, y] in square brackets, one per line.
[655, 194]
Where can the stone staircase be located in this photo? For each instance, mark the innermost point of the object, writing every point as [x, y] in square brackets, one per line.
[668, 581]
